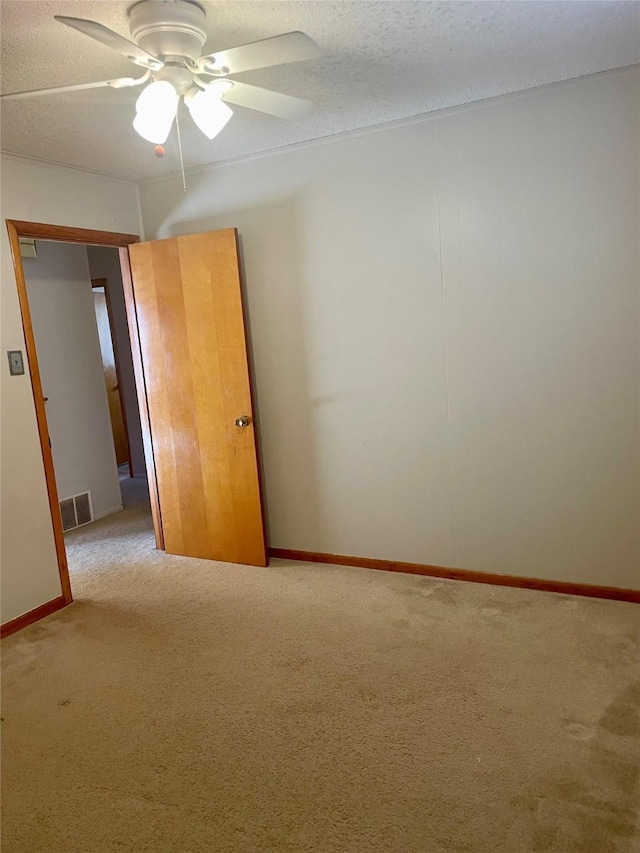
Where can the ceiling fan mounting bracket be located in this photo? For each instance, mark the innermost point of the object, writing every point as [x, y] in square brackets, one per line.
[168, 27]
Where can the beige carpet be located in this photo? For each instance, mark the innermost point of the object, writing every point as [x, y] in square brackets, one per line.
[181, 705]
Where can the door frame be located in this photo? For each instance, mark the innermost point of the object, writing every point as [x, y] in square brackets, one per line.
[63, 234]
[103, 283]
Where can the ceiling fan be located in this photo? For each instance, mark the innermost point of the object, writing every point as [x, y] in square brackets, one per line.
[166, 39]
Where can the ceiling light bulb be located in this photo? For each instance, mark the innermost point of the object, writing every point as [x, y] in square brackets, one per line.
[209, 112]
[155, 111]
[157, 96]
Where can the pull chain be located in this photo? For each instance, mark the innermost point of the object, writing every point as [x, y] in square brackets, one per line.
[184, 180]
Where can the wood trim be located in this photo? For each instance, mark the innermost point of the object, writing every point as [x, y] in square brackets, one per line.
[64, 234]
[565, 587]
[141, 389]
[32, 616]
[41, 415]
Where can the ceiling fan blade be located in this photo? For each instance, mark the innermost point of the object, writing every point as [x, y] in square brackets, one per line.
[117, 83]
[263, 100]
[290, 47]
[113, 40]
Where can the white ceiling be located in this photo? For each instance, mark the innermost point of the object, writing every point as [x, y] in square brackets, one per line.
[382, 61]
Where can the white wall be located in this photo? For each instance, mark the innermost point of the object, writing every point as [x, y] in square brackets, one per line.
[104, 263]
[68, 347]
[445, 327]
[38, 193]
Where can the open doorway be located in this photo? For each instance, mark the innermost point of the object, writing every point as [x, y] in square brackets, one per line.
[81, 336]
[56, 235]
[117, 359]
[112, 372]
[187, 331]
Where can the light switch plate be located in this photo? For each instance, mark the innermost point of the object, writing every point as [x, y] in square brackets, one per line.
[16, 362]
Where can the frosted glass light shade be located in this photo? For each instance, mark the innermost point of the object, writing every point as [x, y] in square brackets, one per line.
[155, 111]
[209, 112]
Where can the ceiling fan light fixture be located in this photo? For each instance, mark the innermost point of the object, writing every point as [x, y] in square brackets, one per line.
[166, 39]
[152, 129]
[209, 112]
[155, 111]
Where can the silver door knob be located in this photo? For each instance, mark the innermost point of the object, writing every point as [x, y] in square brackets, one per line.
[244, 421]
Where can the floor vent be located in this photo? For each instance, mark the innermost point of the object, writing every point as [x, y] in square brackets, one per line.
[76, 511]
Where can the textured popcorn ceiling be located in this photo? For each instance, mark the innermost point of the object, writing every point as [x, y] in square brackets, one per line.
[382, 61]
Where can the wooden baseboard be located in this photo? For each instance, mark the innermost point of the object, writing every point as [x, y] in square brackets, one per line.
[565, 587]
[32, 616]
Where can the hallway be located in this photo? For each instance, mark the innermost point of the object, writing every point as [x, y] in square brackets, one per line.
[112, 542]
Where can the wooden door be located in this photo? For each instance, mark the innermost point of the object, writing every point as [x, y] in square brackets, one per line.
[111, 377]
[194, 358]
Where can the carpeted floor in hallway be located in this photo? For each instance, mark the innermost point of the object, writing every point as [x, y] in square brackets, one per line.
[181, 705]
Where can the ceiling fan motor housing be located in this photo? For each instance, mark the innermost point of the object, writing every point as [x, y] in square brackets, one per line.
[168, 27]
